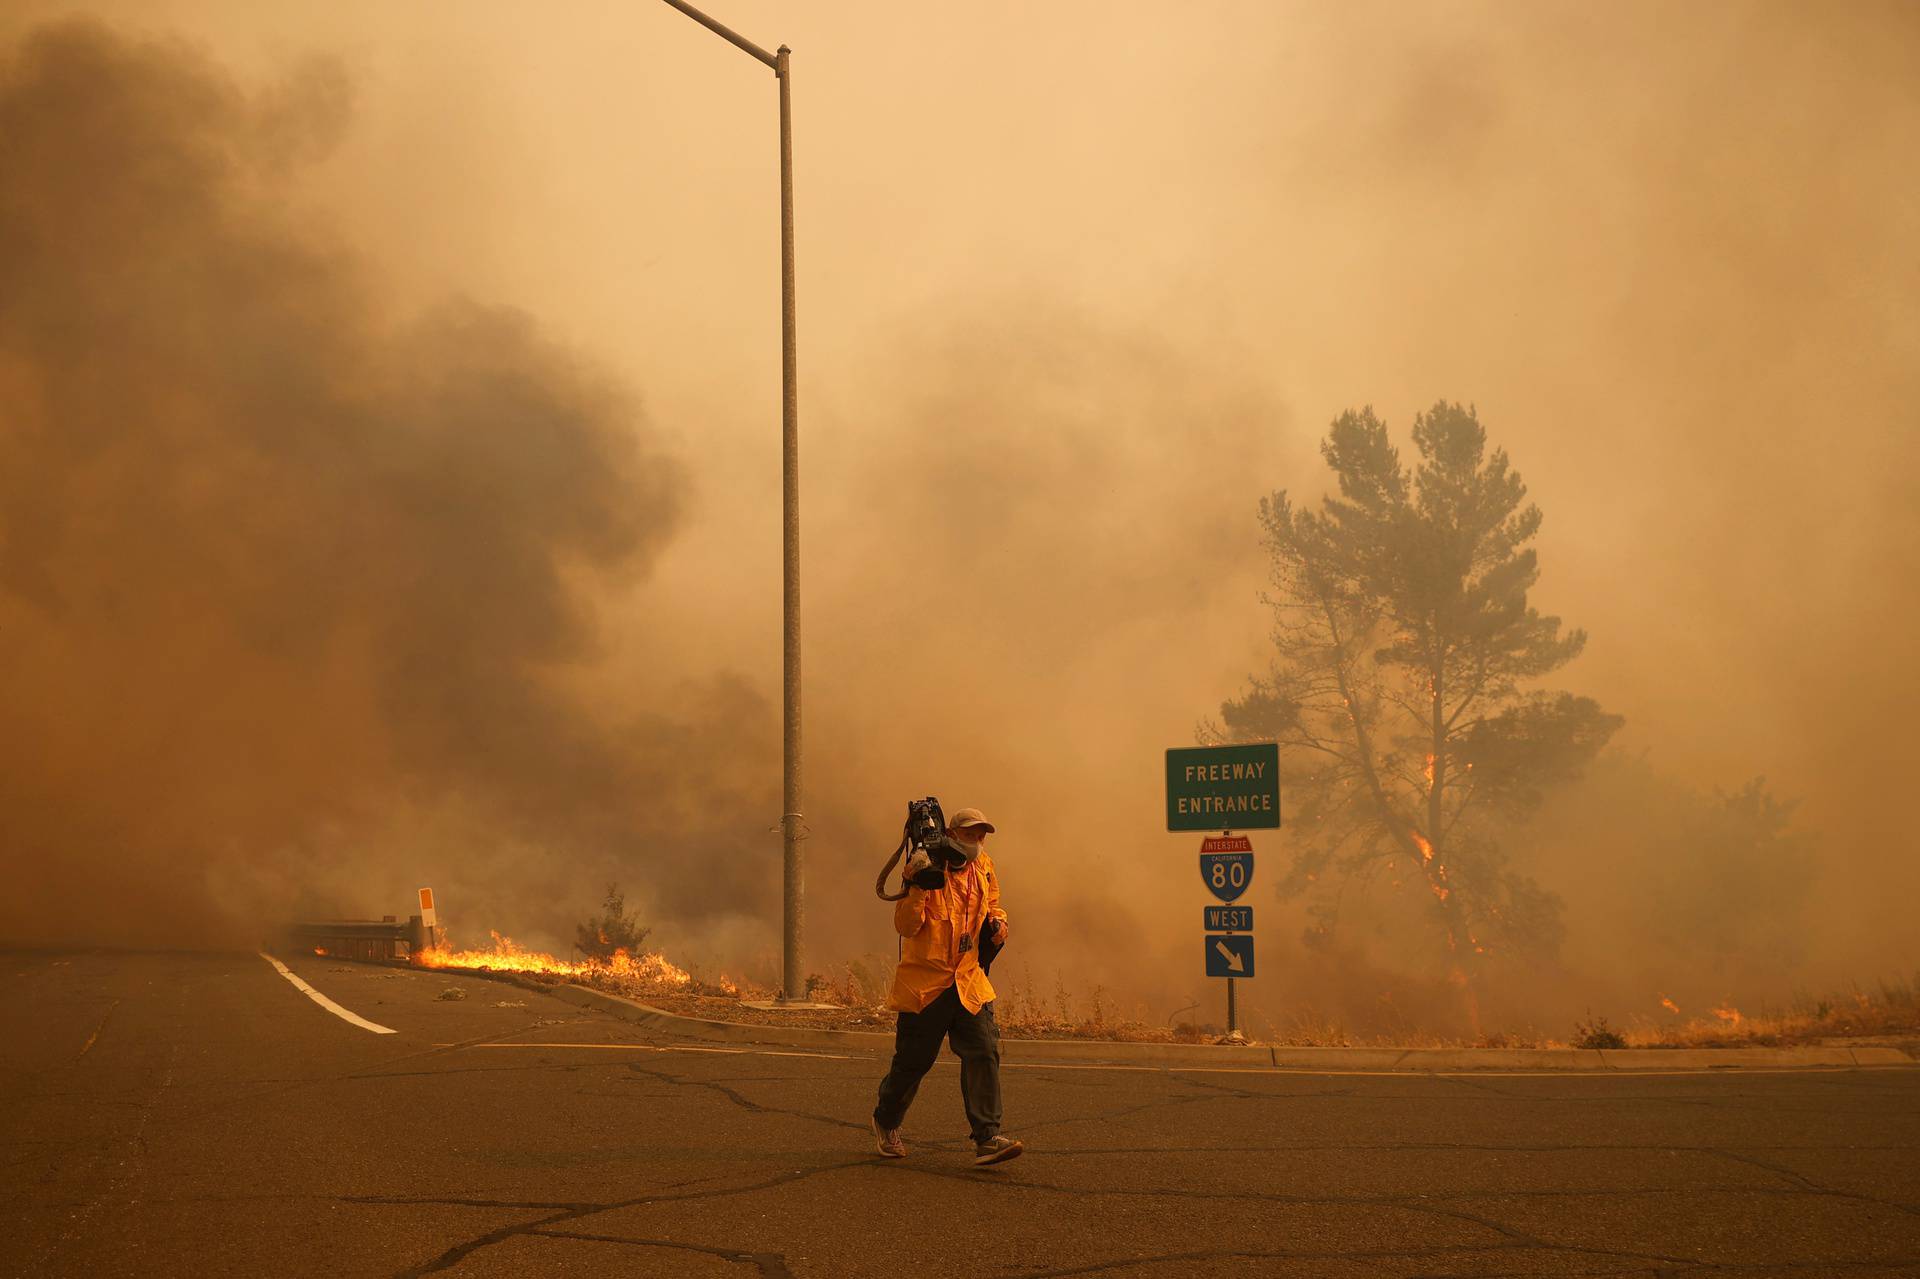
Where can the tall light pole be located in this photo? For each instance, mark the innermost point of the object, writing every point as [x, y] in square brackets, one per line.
[792, 977]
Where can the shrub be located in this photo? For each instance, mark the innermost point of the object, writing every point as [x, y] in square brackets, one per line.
[1595, 1033]
[614, 929]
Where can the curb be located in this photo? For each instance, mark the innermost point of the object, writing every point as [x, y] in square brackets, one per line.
[1254, 1057]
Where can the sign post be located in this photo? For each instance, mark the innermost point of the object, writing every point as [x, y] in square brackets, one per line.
[1220, 788]
[1226, 867]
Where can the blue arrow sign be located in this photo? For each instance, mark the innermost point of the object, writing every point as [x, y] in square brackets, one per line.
[1227, 874]
[1228, 919]
[1229, 955]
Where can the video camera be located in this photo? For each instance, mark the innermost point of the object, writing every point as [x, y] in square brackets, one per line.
[932, 852]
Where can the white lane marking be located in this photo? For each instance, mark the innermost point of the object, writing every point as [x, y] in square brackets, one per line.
[323, 1001]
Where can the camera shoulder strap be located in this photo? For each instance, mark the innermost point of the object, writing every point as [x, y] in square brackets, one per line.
[880, 884]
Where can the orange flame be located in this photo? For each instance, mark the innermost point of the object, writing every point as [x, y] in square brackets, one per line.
[1429, 772]
[1729, 1014]
[1669, 1005]
[509, 958]
[1437, 871]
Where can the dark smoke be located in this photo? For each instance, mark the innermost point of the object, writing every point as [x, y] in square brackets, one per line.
[293, 607]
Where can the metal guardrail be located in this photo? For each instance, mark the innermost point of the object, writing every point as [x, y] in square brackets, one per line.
[385, 940]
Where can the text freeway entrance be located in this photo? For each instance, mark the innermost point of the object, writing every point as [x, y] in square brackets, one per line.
[1224, 787]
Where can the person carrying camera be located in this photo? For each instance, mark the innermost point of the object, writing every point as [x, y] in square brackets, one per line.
[950, 909]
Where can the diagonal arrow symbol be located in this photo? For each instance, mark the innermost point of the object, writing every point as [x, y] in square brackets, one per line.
[1232, 957]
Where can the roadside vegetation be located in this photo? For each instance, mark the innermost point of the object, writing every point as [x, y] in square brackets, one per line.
[1888, 1011]
[614, 929]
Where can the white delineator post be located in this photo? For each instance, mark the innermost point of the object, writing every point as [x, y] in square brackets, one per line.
[429, 919]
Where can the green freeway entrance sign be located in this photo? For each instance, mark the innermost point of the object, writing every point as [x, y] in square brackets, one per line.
[1224, 787]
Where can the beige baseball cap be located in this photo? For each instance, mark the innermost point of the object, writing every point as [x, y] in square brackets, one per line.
[969, 817]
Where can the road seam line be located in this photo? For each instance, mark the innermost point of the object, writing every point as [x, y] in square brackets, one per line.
[97, 1029]
[1302, 1071]
[672, 1048]
[324, 1002]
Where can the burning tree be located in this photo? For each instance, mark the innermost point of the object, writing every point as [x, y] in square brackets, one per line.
[1402, 694]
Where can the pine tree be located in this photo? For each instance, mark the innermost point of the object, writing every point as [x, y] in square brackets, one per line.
[1404, 691]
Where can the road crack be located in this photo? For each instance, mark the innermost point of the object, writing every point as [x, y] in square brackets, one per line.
[574, 1212]
[771, 1264]
[739, 1099]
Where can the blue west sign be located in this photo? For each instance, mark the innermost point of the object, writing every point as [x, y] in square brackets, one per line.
[1228, 919]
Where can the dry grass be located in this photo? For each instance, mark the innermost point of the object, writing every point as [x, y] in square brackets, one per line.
[1024, 1011]
[1890, 1010]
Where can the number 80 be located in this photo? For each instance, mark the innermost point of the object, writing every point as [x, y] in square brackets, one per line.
[1229, 874]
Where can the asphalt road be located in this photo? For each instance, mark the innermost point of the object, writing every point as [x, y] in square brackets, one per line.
[180, 1114]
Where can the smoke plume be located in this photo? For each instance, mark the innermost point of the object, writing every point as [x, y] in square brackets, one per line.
[291, 585]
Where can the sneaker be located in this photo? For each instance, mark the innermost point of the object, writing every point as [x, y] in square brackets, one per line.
[995, 1150]
[889, 1143]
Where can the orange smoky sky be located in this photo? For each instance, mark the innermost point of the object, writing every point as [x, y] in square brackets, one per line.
[391, 435]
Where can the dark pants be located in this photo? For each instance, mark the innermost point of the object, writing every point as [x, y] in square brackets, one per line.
[916, 1044]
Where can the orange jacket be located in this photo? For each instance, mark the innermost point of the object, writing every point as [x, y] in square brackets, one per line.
[931, 923]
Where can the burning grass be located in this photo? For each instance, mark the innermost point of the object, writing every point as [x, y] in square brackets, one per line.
[646, 973]
[1889, 1011]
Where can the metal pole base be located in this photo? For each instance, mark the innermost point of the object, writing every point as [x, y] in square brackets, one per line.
[1233, 1035]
